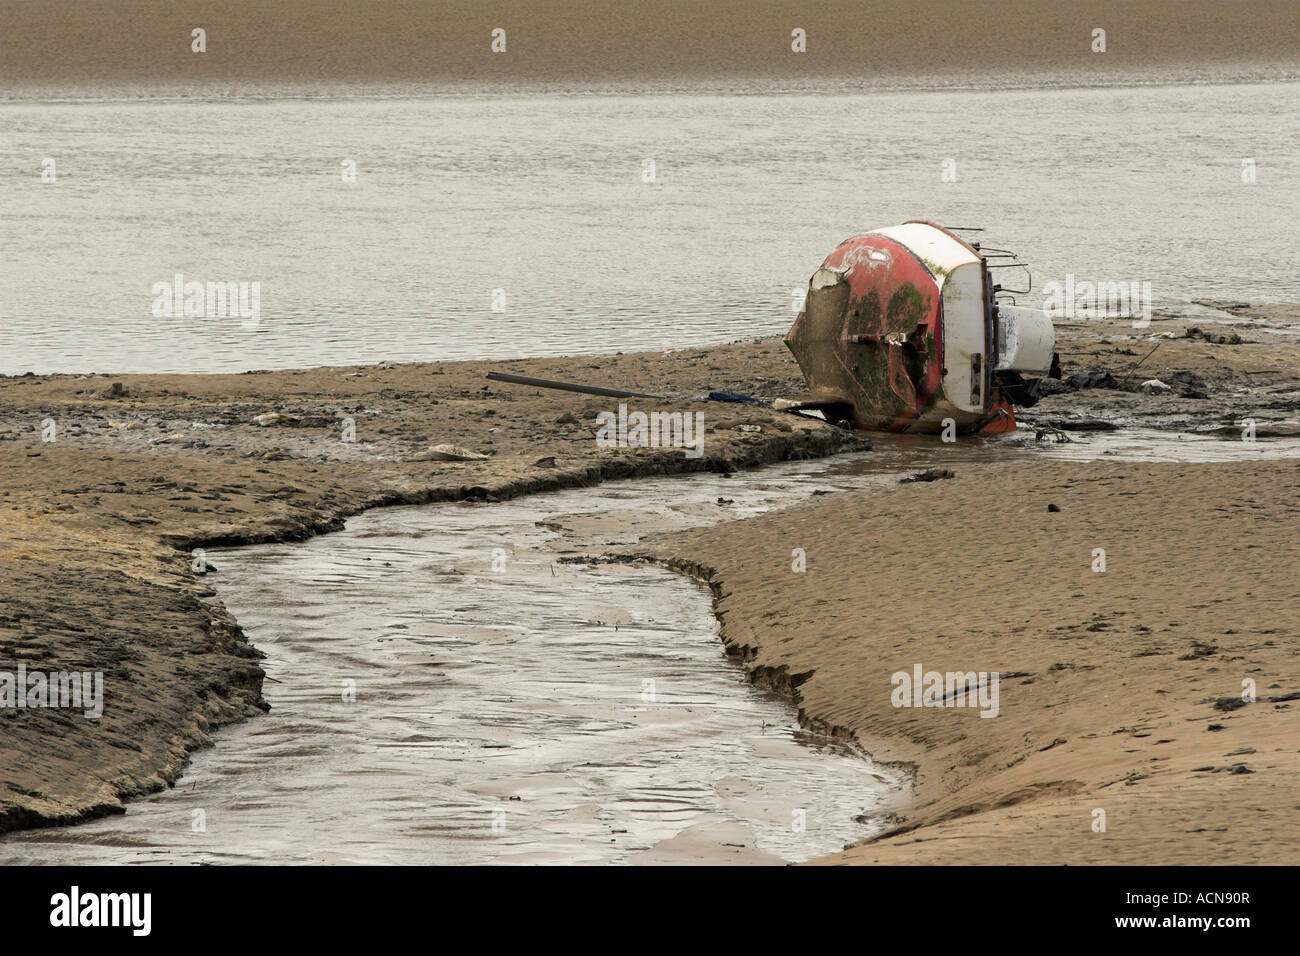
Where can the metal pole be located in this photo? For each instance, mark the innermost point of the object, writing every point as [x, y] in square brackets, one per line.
[567, 386]
[1147, 356]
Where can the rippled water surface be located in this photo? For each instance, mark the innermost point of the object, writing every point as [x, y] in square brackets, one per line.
[509, 707]
[544, 197]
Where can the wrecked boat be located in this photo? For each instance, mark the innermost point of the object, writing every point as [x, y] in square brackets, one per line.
[903, 329]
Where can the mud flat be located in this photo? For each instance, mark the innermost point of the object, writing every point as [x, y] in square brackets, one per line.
[579, 42]
[99, 526]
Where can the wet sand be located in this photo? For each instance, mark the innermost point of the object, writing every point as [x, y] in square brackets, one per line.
[1119, 691]
[99, 525]
[579, 42]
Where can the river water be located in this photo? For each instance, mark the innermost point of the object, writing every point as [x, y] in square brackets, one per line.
[507, 224]
[446, 688]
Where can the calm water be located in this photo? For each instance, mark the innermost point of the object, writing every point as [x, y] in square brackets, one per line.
[543, 196]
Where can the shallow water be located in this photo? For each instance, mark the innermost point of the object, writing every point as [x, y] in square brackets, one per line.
[541, 712]
[542, 196]
[517, 696]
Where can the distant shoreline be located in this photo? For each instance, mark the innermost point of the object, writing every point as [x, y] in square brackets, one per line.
[256, 92]
[58, 44]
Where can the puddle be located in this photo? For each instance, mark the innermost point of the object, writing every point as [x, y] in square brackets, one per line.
[510, 708]
[893, 454]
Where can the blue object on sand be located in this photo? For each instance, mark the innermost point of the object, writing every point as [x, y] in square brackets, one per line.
[735, 397]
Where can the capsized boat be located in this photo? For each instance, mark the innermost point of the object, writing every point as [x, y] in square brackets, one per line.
[904, 329]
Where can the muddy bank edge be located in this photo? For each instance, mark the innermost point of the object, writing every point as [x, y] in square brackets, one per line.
[100, 523]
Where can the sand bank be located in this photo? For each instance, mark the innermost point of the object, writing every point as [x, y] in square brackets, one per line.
[100, 524]
[579, 42]
[1120, 691]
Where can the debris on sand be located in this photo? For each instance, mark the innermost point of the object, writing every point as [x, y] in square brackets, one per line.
[1051, 433]
[1094, 378]
[930, 474]
[276, 418]
[450, 453]
[1079, 425]
[1216, 338]
[1187, 384]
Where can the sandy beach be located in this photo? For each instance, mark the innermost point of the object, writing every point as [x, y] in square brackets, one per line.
[576, 42]
[1121, 691]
